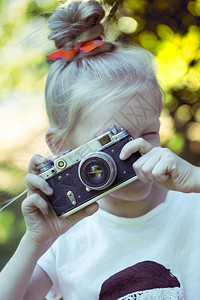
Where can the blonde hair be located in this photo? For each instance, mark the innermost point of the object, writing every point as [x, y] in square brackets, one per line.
[77, 85]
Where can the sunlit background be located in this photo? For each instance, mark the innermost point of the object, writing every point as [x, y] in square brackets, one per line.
[169, 29]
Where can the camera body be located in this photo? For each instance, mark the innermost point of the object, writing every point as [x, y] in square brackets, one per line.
[88, 173]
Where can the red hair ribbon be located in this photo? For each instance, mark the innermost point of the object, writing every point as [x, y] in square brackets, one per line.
[70, 52]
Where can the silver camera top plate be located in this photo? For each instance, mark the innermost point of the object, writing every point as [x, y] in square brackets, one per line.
[70, 158]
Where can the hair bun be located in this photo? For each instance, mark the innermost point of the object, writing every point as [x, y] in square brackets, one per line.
[75, 23]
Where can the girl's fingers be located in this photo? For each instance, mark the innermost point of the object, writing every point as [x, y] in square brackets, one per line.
[35, 161]
[133, 146]
[143, 169]
[145, 164]
[35, 183]
[33, 203]
[162, 170]
[155, 166]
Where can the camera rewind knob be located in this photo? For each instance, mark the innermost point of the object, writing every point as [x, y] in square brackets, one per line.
[45, 166]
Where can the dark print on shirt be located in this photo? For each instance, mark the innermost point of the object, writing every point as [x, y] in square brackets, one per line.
[145, 280]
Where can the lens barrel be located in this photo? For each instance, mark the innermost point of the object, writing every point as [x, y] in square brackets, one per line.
[97, 170]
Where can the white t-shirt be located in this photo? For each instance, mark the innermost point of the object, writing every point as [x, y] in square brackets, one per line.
[155, 256]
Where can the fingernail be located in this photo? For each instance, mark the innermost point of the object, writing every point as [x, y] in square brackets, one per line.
[42, 159]
[122, 155]
[46, 211]
[49, 190]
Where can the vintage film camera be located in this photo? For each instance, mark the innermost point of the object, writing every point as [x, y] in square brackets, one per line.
[84, 175]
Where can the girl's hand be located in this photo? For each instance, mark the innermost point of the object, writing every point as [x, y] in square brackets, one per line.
[43, 226]
[163, 167]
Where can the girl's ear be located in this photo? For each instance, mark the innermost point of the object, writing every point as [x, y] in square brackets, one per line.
[53, 141]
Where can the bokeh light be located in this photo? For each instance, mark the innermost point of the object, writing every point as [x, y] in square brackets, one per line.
[127, 25]
[183, 113]
[193, 131]
[194, 8]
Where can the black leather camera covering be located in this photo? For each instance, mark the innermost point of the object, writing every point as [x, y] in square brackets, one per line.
[71, 182]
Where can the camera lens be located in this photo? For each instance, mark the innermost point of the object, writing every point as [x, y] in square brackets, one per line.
[97, 171]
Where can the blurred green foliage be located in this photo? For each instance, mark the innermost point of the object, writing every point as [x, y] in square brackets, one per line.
[169, 29]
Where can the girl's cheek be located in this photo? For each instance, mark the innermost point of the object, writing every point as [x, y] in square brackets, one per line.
[153, 139]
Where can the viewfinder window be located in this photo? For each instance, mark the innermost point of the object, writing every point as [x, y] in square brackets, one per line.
[105, 140]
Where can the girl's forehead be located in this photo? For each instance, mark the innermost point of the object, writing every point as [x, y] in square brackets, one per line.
[136, 111]
[136, 114]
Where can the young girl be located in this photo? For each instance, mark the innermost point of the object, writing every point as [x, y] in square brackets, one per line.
[139, 242]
